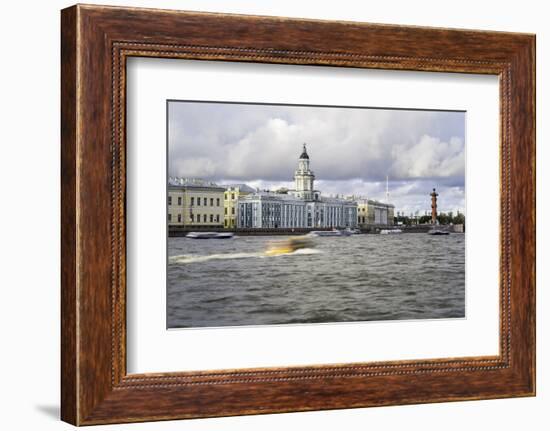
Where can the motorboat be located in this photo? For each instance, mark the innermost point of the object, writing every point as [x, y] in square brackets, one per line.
[438, 232]
[390, 231]
[351, 231]
[333, 232]
[210, 235]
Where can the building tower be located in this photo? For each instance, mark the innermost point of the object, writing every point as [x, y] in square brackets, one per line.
[304, 177]
[434, 196]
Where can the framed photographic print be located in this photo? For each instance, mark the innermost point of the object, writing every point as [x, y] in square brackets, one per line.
[266, 215]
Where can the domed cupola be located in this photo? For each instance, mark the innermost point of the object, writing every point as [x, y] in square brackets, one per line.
[304, 177]
[304, 153]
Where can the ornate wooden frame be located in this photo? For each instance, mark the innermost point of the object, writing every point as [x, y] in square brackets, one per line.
[95, 43]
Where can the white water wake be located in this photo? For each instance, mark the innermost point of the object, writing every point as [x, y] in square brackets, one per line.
[185, 258]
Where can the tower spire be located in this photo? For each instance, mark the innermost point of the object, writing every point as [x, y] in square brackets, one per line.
[304, 177]
[304, 152]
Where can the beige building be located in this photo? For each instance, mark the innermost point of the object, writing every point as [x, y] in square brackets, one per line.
[371, 212]
[194, 203]
[231, 196]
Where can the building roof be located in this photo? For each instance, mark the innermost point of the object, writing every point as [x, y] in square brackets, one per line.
[241, 186]
[304, 153]
[271, 195]
[192, 182]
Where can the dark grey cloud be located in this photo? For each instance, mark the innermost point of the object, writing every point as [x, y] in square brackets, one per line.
[351, 150]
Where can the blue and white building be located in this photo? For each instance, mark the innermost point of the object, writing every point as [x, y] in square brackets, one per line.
[302, 207]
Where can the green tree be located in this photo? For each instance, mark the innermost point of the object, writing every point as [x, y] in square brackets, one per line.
[459, 219]
[402, 219]
[425, 219]
[443, 218]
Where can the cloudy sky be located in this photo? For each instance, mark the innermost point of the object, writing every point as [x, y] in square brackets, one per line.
[351, 150]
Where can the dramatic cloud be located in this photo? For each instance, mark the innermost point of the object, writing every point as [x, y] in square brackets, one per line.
[351, 150]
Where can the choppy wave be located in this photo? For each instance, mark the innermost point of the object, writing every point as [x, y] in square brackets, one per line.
[305, 251]
[185, 258]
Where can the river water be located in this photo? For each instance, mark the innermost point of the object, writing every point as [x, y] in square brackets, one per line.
[232, 282]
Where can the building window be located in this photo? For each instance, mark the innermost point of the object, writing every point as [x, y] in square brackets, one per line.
[232, 196]
[192, 201]
[225, 196]
[169, 217]
[198, 202]
[211, 202]
[217, 218]
[169, 200]
[179, 218]
[225, 210]
[205, 202]
[204, 217]
[179, 200]
[211, 218]
[233, 210]
[217, 202]
[192, 218]
[225, 223]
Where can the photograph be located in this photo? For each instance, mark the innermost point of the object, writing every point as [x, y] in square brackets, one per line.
[300, 214]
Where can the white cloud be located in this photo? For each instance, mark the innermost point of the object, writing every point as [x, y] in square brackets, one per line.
[430, 157]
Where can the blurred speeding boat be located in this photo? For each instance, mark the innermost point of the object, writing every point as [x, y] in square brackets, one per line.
[289, 245]
[209, 235]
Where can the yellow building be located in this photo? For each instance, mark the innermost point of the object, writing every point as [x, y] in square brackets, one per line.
[391, 214]
[194, 203]
[230, 200]
[371, 212]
